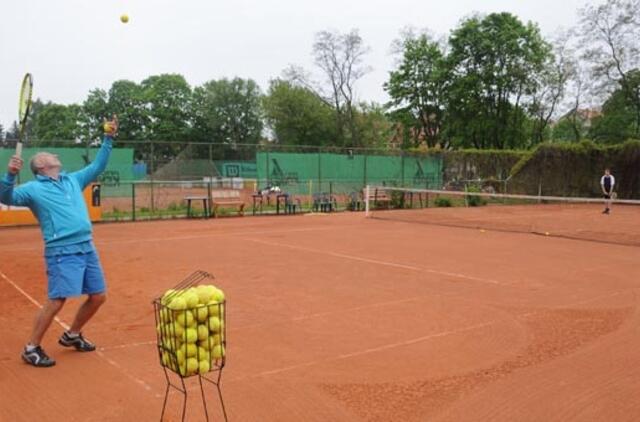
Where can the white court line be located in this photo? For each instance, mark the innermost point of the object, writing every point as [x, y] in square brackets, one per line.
[379, 262]
[421, 339]
[186, 237]
[125, 346]
[365, 351]
[66, 327]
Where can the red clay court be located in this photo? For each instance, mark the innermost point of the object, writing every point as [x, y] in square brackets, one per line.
[343, 318]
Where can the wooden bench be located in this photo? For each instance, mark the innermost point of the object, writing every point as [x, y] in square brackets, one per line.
[379, 197]
[228, 203]
[205, 204]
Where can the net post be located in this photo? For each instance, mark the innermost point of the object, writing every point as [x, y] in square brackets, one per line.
[366, 201]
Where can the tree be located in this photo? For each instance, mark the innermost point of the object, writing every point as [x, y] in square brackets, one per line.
[375, 129]
[340, 59]
[551, 84]
[297, 116]
[14, 132]
[127, 100]
[56, 122]
[94, 110]
[417, 88]
[167, 101]
[618, 119]
[493, 62]
[227, 111]
[611, 32]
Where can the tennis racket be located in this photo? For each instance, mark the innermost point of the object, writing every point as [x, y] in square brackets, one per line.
[24, 107]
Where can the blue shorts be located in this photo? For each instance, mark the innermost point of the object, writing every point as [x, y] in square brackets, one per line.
[74, 275]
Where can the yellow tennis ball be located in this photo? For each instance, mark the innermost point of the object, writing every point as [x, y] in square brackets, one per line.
[191, 297]
[214, 324]
[217, 352]
[178, 303]
[202, 313]
[204, 366]
[124, 18]
[203, 332]
[185, 318]
[191, 335]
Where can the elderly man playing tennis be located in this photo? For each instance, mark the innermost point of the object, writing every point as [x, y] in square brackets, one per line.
[73, 267]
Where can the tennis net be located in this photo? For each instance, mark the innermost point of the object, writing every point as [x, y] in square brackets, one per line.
[567, 217]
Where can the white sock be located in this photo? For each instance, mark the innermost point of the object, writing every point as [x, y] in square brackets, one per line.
[30, 347]
[72, 335]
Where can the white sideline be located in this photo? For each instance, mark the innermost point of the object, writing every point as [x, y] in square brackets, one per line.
[66, 327]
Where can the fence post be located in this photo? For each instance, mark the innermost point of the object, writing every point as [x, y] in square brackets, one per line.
[133, 200]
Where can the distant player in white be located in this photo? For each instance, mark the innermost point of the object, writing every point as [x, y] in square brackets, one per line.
[607, 182]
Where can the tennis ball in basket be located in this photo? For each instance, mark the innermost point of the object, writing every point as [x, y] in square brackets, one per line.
[202, 313]
[204, 294]
[191, 297]
[214, 324]
[166, 296]
[203, 332]
[204, 366]
[210, 342]
[203, 354]
[218, 296]
[178, 303]
[191, 335]
[176, 330]
[181, 355]
[124, 18]
[192, 366]
[185, 318]
[189, 350]
[217, 352]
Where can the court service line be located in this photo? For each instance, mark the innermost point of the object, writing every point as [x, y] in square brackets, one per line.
[367, 351]
[66, 327]
[379, 262]
[422, 338]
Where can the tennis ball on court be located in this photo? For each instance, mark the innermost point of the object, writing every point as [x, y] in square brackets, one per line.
[204, 366]
[124, 18]
[203, 332]
[217, 352]
[185, 318]
[214, 324]
[202, 313]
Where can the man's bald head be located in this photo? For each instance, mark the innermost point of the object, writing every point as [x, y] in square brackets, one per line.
[45, 164]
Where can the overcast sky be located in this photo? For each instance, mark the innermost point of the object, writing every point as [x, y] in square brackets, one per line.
[73, 46]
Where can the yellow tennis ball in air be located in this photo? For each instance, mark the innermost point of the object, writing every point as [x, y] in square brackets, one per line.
[124, 18]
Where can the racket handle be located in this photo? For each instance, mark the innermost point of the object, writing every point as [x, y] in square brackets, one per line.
[19, 149]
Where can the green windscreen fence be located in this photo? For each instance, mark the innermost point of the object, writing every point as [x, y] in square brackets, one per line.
[119, 169]
[344, 173]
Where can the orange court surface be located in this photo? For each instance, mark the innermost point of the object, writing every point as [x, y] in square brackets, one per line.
[342, 318]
